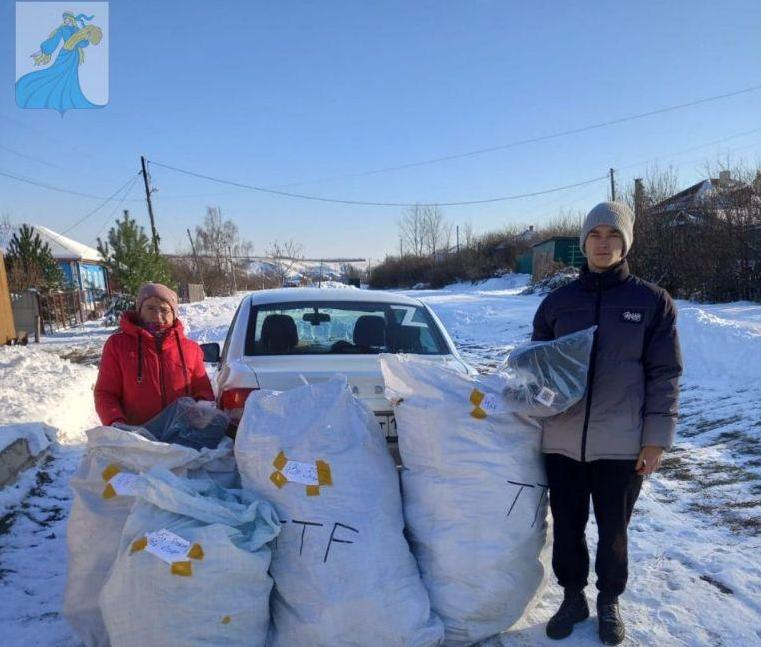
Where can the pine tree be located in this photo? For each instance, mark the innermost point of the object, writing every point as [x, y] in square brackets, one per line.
[30, 262]
[128, 255]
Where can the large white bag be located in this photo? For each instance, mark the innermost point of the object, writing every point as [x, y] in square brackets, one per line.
[103, 498]
[343, 571]
[474, 488]
[191, 568]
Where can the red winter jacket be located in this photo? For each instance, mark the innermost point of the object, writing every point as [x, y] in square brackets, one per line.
[137, 379]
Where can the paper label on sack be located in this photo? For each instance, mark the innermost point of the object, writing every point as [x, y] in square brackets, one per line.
[493, 404]
[124, 483]
[546, 396]
[167, 546]
[304, 473]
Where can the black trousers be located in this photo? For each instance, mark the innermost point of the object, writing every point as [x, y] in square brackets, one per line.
[614, 487]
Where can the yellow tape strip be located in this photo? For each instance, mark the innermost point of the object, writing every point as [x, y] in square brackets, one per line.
[476, 397]
[185, 569]
[138, 545]
[280, 461]
[196, 552]
[478, 413]
[313, 490]
[324, 477]
[226, 620]
[111, 471]
[109, 492]
[278, 479]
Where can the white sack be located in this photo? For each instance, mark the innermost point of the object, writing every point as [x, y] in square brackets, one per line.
[475, 495]
[343, 571]
[213, 589]
[96, 521]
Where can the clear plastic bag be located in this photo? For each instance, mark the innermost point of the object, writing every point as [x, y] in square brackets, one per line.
[187, 422]
[545, 378]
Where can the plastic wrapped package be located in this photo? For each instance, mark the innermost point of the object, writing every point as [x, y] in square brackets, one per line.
[343, 571]
[543, 379]
[473, 481]
[191, 567]
[103, 488]
[188, 422]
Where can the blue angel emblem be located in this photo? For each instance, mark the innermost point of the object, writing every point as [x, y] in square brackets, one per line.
[57, 87]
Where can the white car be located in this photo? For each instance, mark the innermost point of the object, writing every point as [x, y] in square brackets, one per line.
[280, 339]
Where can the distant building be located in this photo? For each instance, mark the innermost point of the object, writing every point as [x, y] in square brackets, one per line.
[555, 252]
[82, 266]
[708, 199]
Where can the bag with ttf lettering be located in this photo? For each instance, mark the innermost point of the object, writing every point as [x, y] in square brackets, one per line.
[343, 572]
[191, 566]
[473, 483]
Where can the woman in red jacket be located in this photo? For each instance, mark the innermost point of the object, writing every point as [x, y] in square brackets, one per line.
[149, 363]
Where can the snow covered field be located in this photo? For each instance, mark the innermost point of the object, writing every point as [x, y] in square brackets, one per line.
[695, 539]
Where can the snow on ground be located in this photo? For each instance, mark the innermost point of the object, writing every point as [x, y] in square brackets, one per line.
[695, 537]
[40, 388]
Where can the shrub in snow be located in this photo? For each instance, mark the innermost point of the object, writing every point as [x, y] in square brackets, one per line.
[552, 282]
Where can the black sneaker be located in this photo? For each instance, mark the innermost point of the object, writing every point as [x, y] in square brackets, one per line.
[611, 627]
[573, 609]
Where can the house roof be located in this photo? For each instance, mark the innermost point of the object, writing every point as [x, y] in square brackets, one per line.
[547, 240]
[64, 248]
[697, 195]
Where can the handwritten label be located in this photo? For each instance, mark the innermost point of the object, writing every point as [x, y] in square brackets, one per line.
[546, 396]
[304, 473]
[493, 404]
[167, 546]
[124, 483]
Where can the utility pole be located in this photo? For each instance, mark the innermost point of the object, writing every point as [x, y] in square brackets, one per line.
[457, 229]
[148, 191]
[199, 269]
[319, 281]
[612, 185]
[401, 248]
[232, 269]
[639, 194]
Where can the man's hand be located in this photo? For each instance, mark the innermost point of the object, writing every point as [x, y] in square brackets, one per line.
[649, 460]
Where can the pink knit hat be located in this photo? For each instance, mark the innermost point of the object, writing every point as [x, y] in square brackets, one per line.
[148, 290]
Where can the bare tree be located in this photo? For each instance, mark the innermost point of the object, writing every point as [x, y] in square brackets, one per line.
[412, 230]
[217, 242]
[285, 255]
[469, 235]
[434, 229]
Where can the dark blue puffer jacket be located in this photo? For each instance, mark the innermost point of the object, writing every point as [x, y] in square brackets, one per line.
[633, 386]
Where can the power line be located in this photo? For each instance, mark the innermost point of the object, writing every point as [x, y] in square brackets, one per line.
[540, 138]
[100, 206]
[51, 187]
[364, 203]
[116, 207]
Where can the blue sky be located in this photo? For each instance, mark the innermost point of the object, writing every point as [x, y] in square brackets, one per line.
[306, 95]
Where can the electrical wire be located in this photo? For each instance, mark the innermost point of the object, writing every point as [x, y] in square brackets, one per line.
[114, 210]
[52, 187]
[540, 138]
[302, 196]
[102, 204]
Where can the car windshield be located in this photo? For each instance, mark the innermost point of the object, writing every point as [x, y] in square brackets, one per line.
[318, 328]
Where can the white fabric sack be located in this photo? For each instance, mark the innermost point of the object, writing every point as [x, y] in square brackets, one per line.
[211, 587]
[475, 495]
[343, 572]
[102, 488]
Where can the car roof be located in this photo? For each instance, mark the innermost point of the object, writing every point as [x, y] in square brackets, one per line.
[290, 295]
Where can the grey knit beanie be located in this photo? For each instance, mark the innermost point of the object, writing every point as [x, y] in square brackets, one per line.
[614, 214]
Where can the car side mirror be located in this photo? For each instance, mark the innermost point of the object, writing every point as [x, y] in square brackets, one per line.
[211, 352]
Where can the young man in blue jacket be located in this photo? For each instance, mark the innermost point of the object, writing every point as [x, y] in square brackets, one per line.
[602, 447]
